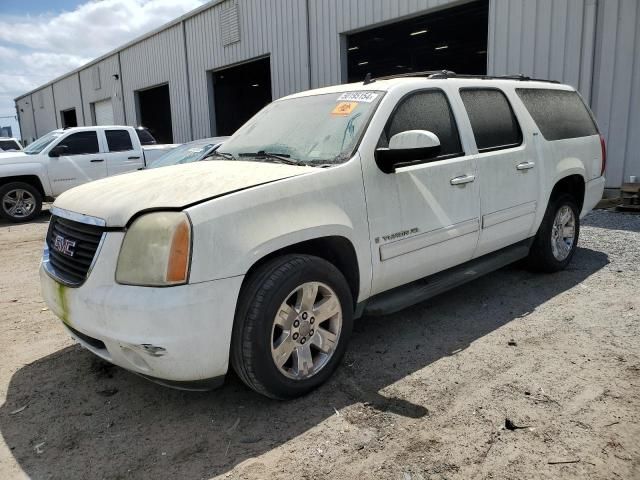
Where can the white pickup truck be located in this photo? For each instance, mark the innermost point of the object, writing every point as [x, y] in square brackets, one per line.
[63, 159]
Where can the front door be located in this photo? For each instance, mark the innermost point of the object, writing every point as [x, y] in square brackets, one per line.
[508, 169]
[423, 218]
[82, 162]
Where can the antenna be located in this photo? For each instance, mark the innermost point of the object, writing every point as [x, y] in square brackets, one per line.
[367, 79]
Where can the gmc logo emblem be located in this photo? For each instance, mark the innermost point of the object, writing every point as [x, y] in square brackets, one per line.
[64, 245]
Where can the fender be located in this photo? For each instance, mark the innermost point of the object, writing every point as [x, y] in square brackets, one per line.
[20, 168]
[233, 232]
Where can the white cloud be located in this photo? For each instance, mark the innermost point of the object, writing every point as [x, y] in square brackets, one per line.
[36, 49]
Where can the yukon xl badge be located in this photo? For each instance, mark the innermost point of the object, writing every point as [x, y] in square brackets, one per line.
[64, 245]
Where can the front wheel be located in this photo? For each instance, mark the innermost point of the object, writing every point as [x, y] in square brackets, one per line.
[292, 326]
[19, 202]
[557, 237]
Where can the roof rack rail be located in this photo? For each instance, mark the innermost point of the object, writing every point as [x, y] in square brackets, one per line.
[440, 74]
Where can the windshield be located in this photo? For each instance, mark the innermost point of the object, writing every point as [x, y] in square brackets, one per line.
[189, 152]
[314, 130]
[41, 143]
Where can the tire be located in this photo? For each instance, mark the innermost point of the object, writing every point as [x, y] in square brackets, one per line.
[544, 256]
[19, 202]
[259, 337]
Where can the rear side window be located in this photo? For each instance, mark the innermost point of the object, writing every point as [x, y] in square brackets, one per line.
[81, 143]
[427, 110]
[118, 140]
[8, 145]
[145, 136]
[559, 114]
[492, 120]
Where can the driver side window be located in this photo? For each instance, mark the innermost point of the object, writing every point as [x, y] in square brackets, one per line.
[81, 143]
[426, 110]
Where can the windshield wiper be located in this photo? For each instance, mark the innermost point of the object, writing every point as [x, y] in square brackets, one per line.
[226, 155]
[279, 157]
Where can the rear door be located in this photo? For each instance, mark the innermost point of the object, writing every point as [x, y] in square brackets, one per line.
[507, 169]
[82, 162]
[424, 217]
[121, 155]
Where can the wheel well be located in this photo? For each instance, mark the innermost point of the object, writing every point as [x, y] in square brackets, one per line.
[336, 250]
[573, 185]
[32, 180]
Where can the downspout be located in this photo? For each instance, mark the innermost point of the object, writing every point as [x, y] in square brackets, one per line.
[55, 109]
[33, 115]
[84, 120]
[124, 107]
[186, 65]
[308, 45]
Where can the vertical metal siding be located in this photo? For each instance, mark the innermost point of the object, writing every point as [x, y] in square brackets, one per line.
[27, 124]
[328, 19]
[67, 95]
[44, 116]
[616, 88]
[109, 88]
[157, 60]
[277, 28]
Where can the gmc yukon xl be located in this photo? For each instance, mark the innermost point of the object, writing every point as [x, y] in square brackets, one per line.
[327, 205]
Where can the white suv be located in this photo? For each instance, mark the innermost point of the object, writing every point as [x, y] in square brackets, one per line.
[326, 205]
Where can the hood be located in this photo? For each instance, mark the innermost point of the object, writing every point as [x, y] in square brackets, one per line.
[7, 158]
[116, 199]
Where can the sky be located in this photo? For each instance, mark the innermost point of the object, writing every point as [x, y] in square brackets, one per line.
[43, 39]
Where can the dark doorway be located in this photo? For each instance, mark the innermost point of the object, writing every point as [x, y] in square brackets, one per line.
[451, 39]
[154, 112]
[69, 118]
[238, 93]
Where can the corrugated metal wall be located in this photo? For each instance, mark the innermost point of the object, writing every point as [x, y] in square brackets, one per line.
[616, 86]
[44, 111]
[267, 27]
[157, 60]
[109, 87]
[592, 45]
[328, 19]
[67, 95]
[27, 124]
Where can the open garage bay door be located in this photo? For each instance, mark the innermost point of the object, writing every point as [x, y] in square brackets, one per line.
[450, 39]
[154, 112]
[103, 112]
[239, 92]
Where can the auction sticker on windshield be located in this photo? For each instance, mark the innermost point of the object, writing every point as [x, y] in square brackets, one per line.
[344, 109]
[366, 97]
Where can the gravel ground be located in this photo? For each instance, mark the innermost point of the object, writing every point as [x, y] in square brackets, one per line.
[422, 394]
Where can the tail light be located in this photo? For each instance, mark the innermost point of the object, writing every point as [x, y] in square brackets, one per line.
[604, 155]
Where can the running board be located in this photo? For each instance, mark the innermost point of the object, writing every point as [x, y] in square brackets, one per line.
[412, 293]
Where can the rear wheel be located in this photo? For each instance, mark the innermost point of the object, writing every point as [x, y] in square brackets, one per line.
[557, 237]
[19, 202]
[292, 326]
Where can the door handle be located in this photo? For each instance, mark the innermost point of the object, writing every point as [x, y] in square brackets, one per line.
[525, 165]
[96, 160]
[133, 158]
[461, 180]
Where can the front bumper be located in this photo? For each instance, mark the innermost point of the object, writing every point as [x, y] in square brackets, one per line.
[171, 335]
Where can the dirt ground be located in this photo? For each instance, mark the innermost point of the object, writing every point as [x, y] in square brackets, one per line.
[421, 394]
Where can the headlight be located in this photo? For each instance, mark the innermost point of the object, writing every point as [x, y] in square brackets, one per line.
[156, 250]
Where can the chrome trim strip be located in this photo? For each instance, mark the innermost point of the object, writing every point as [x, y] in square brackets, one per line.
[427, 239]
[78, 217]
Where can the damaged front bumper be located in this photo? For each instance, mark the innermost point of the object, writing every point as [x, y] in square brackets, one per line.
[178, 336]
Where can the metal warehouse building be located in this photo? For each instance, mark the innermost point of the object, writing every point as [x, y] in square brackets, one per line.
[208, 71]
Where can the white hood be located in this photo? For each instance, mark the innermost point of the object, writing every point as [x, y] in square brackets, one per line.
[7, 158]
[116, 199]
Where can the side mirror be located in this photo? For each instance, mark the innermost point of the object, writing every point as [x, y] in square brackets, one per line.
[58, 151]
[406, 148]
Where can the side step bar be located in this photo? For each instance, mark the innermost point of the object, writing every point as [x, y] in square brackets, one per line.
[415, 292]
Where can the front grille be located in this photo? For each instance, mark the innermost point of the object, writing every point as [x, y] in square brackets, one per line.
[72, 246]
